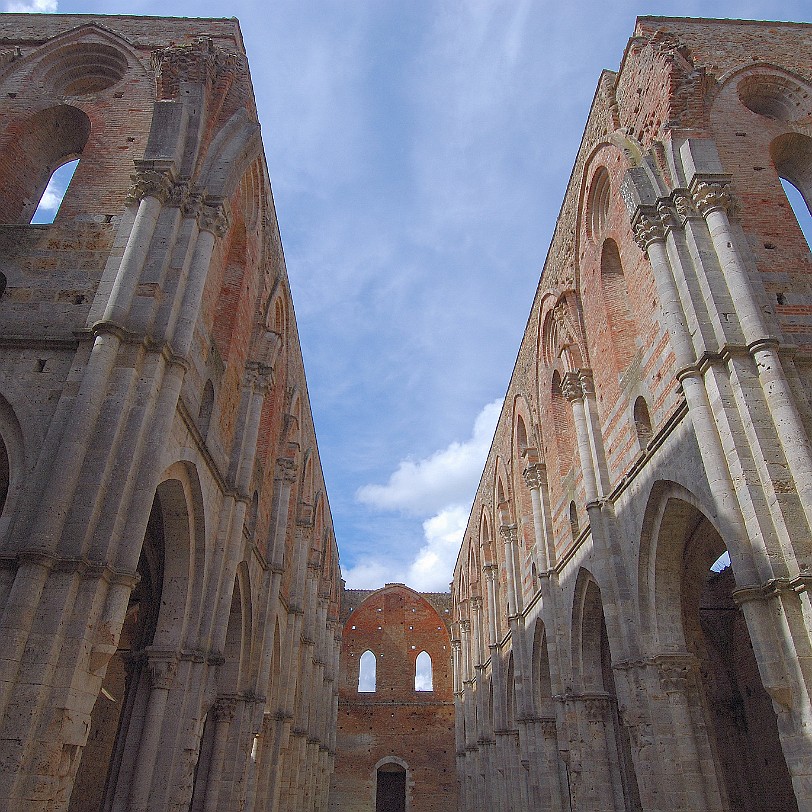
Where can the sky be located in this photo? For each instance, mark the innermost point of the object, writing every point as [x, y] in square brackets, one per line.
[418, 151]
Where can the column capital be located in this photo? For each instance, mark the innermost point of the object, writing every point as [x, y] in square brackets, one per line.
[491, 571]
[711, 195]
[587, 381]
[509, 532]
[571, 386]
[224, 710]
[648, 228]
[215, 217]
[535, 474]
[151, 180]
[162, 670]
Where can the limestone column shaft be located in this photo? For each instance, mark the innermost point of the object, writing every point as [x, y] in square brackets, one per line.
[162, 675]
[535, 475]
[223, 716]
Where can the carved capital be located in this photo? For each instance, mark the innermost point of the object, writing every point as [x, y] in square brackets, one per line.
[535, 474]
[192, 204]
[684, 204]
[491, 571]
[509, 533]
[286, 470]
[548, 727]
[674, 673]
[476, 603]
[668, 215]
[648, 229]
[710, 196]
[215, 217]
[587, 382]
[224, 710]
[571, 386]
[151, 181]
[162, 672]
[595, 708]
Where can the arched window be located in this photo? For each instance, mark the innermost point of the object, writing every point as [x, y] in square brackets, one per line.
[799, 208]
[422, 672]
[642, 423]
[366, 673]
[791, 154]
[54, 192]
[46, 147]
[598, 207]
[619, 316]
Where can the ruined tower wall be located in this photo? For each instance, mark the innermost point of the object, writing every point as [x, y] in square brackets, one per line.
[168, 570]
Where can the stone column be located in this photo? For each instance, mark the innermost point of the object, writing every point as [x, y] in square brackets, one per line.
[162, 672]
[223, 717]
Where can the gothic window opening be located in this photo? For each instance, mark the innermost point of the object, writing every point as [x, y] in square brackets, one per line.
[619, 314]
[423, 680]
[390, 790]
[54, 193]
[799, 208]
[366, 673]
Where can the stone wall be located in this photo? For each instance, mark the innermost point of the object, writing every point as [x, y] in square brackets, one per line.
[657, 418]
[168, 570]
[395, 726]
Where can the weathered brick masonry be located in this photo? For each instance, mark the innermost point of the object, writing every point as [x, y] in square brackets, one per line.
[658, 416]
[395, 729]
[168, 571]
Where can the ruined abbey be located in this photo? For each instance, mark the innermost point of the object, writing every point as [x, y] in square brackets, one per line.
[629, 627]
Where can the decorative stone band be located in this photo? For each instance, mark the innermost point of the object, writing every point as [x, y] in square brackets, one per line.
[773, 588]
[80, 565]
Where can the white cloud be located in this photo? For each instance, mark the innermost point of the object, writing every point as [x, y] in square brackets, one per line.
[34, 7]
[448, 476]
[441, 488]
[434, 563]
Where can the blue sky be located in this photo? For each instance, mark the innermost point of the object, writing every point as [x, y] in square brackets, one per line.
[418, 152]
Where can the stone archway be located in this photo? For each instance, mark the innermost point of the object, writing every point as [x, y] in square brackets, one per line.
[117, 706]
[707, 662]
[391, 786]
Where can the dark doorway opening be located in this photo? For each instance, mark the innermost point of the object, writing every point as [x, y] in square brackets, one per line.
[390, 795]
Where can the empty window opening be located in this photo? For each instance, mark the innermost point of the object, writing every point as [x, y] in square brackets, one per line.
[3, 283]
[390, 791]
[721, 563]
[800, 209]
[366, 673]
[54, 193]
[423, 680]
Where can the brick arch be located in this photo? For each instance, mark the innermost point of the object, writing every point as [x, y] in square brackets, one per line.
[36, 146]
